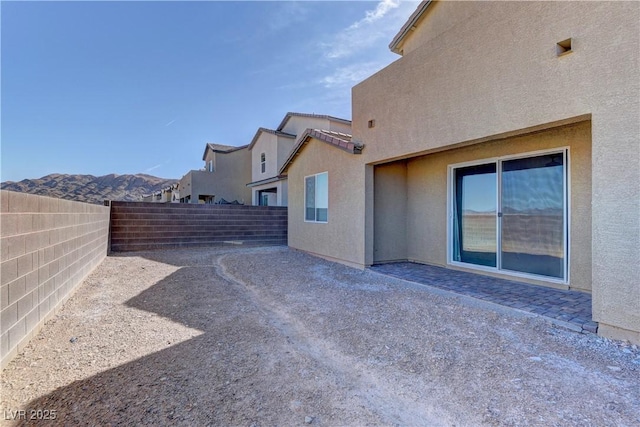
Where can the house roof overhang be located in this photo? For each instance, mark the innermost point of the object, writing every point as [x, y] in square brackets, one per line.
[410, 25]
[271, 131]
[220, 148]
[335, 139]
[267, 181]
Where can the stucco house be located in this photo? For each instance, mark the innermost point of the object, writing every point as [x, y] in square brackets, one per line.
[271, 147]
[166, 195]
[227, 170]
[504, 141]
[268, 148]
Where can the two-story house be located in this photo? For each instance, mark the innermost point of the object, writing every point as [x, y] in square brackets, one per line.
[227, 170]
[271, 147]
[504, 141]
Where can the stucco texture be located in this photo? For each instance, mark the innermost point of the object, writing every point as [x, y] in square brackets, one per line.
[422, 198]
[342, 237]
[495, 73]
[296, 125]
[232, 172]
[275, 148]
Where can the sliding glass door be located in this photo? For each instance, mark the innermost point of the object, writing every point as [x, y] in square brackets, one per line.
[510, 214]
[532, 238]
[475, 207]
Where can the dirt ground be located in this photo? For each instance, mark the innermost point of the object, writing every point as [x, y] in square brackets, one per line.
[239, 336]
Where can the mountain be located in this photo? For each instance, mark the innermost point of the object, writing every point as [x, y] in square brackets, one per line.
[89, 188]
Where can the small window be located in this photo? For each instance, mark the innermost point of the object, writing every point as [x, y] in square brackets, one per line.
[316, 197]
[210, 167]
[263, 162]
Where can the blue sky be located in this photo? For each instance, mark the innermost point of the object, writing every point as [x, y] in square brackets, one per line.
[141, 87]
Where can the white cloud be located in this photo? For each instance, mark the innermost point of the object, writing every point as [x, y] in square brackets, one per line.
[347, 76]
[380, 11]
[360, 50]
[377, 24]
[352, 55]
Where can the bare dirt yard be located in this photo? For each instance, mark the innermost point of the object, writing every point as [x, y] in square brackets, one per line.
[235, 336]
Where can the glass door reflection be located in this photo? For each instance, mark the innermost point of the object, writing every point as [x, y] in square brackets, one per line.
[474, 223]
[532, 224]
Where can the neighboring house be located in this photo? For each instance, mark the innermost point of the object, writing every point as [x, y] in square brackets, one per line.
[157, 197]
[505, 141]
[170, 194]
[227, 170]
[270, 148]
[316, 152]
[175, 193]
[166, 195]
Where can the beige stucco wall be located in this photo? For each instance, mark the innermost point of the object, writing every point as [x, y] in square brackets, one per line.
[185, 184]
[283, 193]
[496, 73]
[276, 149]
[267, 143]
[296, 125]
[48, 246]
[450, 14]
[338, 127]
[232, 172]
[285, 145]
[390, 212]
[427, 195]
[342, 237]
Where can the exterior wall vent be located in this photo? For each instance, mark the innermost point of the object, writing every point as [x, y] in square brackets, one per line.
[563, 47]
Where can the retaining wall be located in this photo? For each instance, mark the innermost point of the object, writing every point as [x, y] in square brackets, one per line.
[48, 246]
[142, 226]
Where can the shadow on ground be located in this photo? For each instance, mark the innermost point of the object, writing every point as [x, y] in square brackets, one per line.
[285, 336]
[211, 379]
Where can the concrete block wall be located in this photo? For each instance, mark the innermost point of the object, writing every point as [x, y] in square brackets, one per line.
[48, 246]
[142, 226]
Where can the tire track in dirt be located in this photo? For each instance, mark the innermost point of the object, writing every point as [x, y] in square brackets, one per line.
[383, 397]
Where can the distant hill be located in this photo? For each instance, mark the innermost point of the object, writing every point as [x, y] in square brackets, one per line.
[89, 188]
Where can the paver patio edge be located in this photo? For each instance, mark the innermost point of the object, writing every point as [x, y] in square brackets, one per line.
[480, 303]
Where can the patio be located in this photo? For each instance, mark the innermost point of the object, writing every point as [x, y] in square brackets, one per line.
[567, 306]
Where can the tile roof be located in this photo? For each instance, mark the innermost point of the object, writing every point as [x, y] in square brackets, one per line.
[220, 148]
[271, 131]
[408, 26]
[284, 121]
[339, 140]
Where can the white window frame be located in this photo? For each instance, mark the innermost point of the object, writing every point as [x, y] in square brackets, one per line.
[263, 162]
[210, 168]
[304, 211]
[498, 161]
